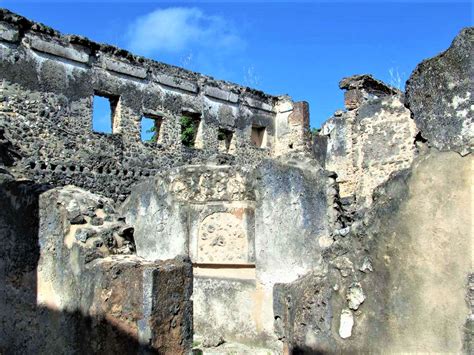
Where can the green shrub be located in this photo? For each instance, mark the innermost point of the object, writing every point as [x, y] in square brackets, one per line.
[154, 137]
[315, 131]
[188, 130]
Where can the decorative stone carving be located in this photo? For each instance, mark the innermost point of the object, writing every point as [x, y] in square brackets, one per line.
[222, 239]
[211, 185]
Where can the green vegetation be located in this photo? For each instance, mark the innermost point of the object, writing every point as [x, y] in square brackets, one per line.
[189, 127]
[315, 131]
[154, 137]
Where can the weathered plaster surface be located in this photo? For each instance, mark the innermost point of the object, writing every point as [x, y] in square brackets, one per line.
[48, 81]
[439, 96]
[85, 292]
[367, 143]
[372, 254]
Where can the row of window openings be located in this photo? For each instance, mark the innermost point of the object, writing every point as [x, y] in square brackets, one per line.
[106, 108]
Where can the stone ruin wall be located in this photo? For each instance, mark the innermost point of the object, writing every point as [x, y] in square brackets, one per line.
[227, 219]
[399, 274]
[372, 138]
[92, 269]
[48, 83]
[84, 258]
[263, 246]
[72, 282]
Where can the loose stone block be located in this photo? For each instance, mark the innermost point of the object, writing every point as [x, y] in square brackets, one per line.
[346, 324]
[169, 93]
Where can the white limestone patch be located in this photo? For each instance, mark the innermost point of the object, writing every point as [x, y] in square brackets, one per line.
[346, 323]
[355, 296]
[458, 100]
[462, 113]
[325, 241]
[366, 265]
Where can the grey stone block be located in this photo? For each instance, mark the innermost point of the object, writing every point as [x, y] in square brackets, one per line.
[124, 68]
[8, 33]
[258, 104]
[59, 50]
[177, 83]
[221, 94]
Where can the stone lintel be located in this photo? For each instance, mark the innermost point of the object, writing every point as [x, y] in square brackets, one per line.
[220, 94]
[367, 82]
[258, 104]
[177, 83]
[124, 68]
[58, 50]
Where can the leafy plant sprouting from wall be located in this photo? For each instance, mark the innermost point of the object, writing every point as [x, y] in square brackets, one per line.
[315, 131]
[189, 126]
[154, 137]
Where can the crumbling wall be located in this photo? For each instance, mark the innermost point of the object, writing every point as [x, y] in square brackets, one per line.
[292, 127]
[446, 121]
[48, 81]
[206, 212]
[81, 288]
[369, 141]
[244, 230]
[396, 281]
[398, 276]
[279, 257]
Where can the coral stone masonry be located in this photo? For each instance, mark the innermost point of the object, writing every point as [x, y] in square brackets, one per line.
[234, 230]
[48, 84]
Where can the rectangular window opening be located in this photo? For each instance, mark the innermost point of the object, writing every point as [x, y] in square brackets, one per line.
[190, 129]
[104, 112]
[224, 137]
[258, 136]
[151, 128]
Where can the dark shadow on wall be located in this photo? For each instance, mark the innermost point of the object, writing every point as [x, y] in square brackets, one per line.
[25, 327]
[306, 351]
[45, 331]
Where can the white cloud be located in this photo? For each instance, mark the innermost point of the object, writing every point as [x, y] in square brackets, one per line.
[179, 29]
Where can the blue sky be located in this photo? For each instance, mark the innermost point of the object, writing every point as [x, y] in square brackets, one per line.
[298, 48]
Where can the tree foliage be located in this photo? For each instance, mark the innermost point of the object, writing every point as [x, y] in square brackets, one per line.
[188, 130]
[154, 137]
[315, 131]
